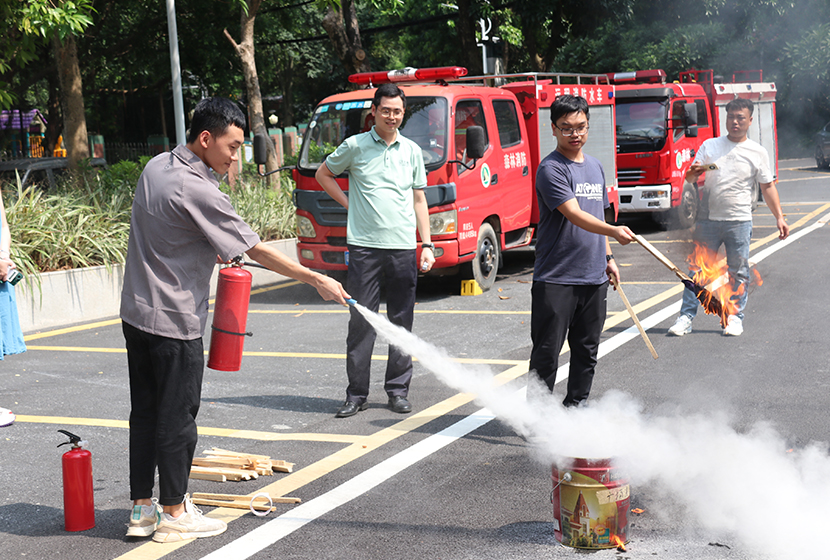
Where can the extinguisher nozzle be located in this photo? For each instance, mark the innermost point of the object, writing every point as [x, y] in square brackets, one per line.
[351, 302]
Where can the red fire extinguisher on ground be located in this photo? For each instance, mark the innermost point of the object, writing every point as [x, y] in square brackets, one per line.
[230, 314]
[78, 501]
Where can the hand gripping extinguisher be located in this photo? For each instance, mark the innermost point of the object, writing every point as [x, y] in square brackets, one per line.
[230, 314]
[78, 502]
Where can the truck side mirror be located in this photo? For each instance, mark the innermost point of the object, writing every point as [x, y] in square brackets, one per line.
[260, 149]
[476, 142]
[690, 119]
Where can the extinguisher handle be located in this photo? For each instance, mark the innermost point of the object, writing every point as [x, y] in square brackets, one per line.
[73, 439]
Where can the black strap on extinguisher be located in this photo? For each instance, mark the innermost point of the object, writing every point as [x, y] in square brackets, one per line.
[231, 332]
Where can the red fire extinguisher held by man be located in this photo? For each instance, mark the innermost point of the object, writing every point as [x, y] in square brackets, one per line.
[78, 501]
[230, 314]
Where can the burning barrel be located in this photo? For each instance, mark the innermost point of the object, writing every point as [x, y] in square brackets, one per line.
[590, 504]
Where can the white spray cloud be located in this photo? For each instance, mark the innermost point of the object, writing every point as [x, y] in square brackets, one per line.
[744, 486]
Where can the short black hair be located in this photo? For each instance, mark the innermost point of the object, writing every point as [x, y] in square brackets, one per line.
[215, 114]
[388, 90]
[567, 104]
[739, 104]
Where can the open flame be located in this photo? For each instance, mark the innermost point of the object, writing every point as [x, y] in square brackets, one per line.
[712, 285]
[618, 542]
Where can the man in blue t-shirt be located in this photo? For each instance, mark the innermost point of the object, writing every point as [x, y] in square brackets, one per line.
[573, 255]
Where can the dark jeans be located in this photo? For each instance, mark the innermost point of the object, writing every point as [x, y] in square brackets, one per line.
[165, 393]
[366, 266]
[577, 312]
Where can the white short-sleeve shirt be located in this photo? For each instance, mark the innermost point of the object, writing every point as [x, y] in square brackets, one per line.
[740, 166]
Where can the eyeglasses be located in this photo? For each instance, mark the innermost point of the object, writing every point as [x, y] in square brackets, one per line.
[581, 131]
[386, 113]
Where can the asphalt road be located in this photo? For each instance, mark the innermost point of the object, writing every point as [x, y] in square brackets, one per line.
[723, 440]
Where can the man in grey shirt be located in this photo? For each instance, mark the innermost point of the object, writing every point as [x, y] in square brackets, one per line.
[181, 222]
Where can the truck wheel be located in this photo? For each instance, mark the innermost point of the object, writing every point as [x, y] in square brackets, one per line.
[485, 265]
[684, 216]
[821, 162]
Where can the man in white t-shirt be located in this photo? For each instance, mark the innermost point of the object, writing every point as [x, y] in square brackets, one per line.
[741, 163]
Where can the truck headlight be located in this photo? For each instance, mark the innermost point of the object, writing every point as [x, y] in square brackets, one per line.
[305, 228]
[654, 194]
[442, 222]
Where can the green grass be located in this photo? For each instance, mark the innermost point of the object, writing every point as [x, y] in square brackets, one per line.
[86, 220]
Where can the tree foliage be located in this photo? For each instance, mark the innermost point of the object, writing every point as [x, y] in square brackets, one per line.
[30, 24]
[123, 48]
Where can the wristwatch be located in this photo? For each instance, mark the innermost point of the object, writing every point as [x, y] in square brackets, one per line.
[608, 258]
[427, 245]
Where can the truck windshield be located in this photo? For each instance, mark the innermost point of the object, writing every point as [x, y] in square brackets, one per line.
[425, 123]
[641, 125]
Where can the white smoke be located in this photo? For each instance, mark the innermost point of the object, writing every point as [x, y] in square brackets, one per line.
[745, 486]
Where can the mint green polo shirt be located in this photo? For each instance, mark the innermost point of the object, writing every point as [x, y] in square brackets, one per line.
[381, 183]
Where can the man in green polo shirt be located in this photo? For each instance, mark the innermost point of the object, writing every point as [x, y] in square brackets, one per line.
[386, 202]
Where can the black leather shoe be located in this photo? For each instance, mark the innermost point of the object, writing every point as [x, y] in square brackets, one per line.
[400, 405]
[350, 408]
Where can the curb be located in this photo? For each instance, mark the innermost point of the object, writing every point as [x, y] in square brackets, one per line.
[68, 297]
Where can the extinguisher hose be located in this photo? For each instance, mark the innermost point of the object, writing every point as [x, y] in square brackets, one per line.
[257, 265]
[231, 332]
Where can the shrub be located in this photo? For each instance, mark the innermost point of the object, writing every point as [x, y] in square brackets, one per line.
[86, 220]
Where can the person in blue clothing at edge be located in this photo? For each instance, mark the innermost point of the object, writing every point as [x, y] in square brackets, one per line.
[573, 255]
[11, 337]
[386, 203]
[738, 163]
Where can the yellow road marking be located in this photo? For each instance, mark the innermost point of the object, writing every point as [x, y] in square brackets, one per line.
[332, 462]
[372, 442]
[203, 430]
[78, 328]
[299, 312]
[818, 176]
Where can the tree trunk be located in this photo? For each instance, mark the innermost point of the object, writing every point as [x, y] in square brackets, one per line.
[245, 51]
[469, 51]
[72, 100]
[55, 123]
[344, 32]
[287, 105]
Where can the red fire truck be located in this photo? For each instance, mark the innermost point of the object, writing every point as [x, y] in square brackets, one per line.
[660, 127]
[480, 204]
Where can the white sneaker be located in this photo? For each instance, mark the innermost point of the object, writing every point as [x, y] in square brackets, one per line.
[144, 520]
[189, 525]
[734, 326]
[682, 326]
[7, 417]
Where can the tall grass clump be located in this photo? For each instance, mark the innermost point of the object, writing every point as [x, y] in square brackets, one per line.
[268, 209]
[85, 221]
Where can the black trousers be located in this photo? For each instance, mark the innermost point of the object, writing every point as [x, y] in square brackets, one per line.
[165, 393]
[366, 266]
[578, 313]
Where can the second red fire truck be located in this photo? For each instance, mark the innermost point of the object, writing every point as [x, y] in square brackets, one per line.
[660, 127]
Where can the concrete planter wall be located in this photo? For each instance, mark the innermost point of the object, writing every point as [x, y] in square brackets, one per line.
[91, 294]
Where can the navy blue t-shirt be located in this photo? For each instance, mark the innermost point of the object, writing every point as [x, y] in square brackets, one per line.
[565, 253]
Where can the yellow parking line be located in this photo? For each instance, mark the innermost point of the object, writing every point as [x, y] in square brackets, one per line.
[203, 430]
[306, 475]
[372, 442]
[78, 328]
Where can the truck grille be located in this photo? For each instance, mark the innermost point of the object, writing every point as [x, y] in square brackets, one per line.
[630, 175]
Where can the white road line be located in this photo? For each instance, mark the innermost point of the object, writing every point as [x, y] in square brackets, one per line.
[282, 526]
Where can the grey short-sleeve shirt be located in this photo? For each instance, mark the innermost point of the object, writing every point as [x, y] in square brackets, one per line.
[180, 222]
